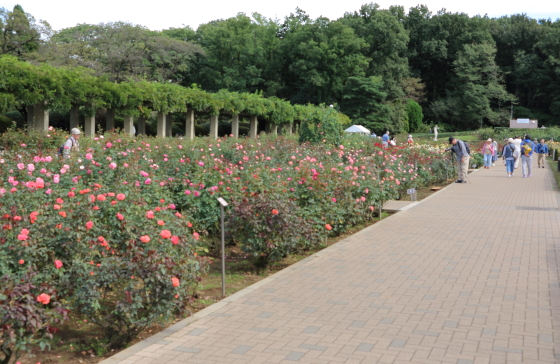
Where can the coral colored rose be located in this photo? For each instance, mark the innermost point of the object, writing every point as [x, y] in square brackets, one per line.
[150, 214]
[161, 222]
[71, 194]
[175, 239]
[120, 216]
[44, 298]
[175, 282]
[89, 225]
[22, 237]
[56, 207]
[121, 196]
[58, 264]
[274, 212]
[166, 234]
[21, 261]
[62, 213]
[196, 236]
[101, 198]
[92, 198]
[328, 227]
[145, 239]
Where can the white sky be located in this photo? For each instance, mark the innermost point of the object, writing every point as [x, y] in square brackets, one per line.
[163, 14]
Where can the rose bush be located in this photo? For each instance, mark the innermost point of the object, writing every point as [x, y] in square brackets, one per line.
[116, 229]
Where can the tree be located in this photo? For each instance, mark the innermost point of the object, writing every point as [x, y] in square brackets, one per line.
[415, 115]
[386, 44]
[363, 101]
[20, 32]
[318, 56]
[478, 92]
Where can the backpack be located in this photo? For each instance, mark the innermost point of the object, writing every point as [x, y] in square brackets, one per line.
[60, 152]
[467, 147]
[527, 148]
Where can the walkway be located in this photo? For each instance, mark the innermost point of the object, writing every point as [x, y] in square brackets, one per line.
[470, 275]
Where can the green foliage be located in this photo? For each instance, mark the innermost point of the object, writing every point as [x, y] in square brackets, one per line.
[415, 116]
[322, 127]
[363, 102]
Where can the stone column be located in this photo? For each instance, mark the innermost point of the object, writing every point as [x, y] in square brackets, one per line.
[189, 125]
[273, 129]
[287, 129]
[129, 125]
[235, 126]
[161, 127]
[41, 117]
[89, 128]
[74, 116]
[30, 117]
[214, 126]
[169, 126]
[141, 125]
[110, 120]
[254, 127]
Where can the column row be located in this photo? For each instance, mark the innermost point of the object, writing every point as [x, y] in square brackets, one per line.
[38, 118]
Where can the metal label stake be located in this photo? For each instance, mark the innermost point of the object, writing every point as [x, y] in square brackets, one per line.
[223, 204]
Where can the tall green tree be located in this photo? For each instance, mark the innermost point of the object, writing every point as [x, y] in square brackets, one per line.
[20, 33]
[363, 101]
[478, 93]
[386, 44]
[318, 56]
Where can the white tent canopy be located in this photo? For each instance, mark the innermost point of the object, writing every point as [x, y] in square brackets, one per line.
[357, 129]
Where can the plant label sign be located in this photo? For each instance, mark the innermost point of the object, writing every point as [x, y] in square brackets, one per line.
[222, 202]
[411, 191]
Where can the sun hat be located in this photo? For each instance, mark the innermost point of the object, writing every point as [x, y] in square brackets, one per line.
[451, 140]
[510, 140]
[75, 131]
[489, 140]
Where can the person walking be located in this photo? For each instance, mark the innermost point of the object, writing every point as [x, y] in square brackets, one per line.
[507, 156]
[527, 147]
[542, 151]
[517, 144]
[488, 153]
[495, 156]
[71, 145]
[385, 140]
[459, 147]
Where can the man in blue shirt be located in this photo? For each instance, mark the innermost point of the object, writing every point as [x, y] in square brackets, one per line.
[542, 150]
[527, 147]
[385, 140]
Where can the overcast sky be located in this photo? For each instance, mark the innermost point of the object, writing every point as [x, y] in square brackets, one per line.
[163, 14]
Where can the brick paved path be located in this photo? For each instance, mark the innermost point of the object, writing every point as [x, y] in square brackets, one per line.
[470, 275]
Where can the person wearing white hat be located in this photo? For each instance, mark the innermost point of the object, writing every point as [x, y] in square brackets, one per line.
[71, 144]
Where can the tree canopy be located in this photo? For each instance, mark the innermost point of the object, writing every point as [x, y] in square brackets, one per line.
[462, 71]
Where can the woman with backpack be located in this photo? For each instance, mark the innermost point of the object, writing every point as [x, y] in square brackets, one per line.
[508, 156]
[488, 153]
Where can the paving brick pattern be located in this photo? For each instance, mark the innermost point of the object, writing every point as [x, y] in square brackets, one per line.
[468, 276]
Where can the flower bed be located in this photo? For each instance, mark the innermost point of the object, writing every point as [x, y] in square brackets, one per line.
[121, 233]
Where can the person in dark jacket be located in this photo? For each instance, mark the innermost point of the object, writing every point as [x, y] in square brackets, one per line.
[463, 156]
[542, 150]
[508, 156]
